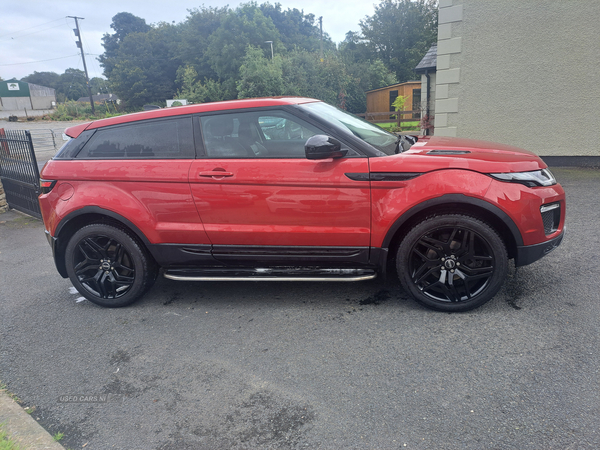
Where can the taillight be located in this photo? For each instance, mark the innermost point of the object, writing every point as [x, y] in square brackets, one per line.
[47, 185]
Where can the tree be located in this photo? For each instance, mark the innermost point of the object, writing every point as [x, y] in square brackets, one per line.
[298, 31]
[195, 35]
[365, 77]
[146, 65]
[48, 79]
[400, 33]
[227, 46]
[259, 76]
[71, 85]
[124, 24]
[99, 86]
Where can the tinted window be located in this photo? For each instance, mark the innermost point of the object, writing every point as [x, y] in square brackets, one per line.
[72, 147]
[148, 139]
[273, 134]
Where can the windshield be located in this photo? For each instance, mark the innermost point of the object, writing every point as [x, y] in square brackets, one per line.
[372, 134]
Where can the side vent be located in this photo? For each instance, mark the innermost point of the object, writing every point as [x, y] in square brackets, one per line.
[448, 152]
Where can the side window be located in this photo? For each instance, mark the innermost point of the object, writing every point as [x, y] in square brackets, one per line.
[272, 134]
[284, 129]
[148, 139]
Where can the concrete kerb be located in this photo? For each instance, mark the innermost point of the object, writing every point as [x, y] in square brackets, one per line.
[22, 429]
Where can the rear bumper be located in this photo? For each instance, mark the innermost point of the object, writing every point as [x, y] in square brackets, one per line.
[54, 244]
[528, 254]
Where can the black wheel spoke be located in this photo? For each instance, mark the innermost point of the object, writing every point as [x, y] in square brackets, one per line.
[451, 264]
[104, 267]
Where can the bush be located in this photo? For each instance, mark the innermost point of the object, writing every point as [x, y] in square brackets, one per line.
[83, 111]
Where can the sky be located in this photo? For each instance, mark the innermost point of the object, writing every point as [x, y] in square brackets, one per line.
[37, 35]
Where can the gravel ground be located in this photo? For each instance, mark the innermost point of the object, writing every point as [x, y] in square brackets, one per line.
[320, 366]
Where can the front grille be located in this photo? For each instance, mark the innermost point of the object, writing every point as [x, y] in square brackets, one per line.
[550, 217]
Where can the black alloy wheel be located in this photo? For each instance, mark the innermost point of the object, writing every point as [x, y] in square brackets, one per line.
[452, 262]
[108, 266]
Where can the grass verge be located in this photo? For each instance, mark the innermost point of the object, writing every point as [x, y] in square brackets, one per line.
[6, 443]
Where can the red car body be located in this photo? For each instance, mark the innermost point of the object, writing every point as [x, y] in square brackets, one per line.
[204, 212]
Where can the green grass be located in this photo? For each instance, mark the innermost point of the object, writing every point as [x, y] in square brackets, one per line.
[7, 443]
[405, 126]
[58, 436]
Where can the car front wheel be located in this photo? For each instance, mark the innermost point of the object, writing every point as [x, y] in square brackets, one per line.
[108, 266]
[452, 262]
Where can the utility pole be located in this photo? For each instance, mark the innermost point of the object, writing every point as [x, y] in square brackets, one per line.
[80, 45]
[321, 25]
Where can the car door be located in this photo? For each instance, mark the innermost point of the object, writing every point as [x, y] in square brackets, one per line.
[259, 197]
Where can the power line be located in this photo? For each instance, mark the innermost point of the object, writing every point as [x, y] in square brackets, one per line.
[30, 28]
[43, 60]
[35, 32]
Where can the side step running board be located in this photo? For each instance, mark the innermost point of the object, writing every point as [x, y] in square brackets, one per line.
[269, 274]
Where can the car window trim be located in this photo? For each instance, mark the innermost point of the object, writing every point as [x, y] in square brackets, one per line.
[134, 122]
[290, 109]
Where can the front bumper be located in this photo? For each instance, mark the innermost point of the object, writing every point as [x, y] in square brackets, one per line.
[528, 254]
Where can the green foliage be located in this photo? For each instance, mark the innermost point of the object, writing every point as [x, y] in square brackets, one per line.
[6, 443]
[195, 91]
[297, 30]
[146, 65]
[48, 79]
[400, 33]
[58, 436]
[83, 111]
[222, 53]
[70, 85]
[399, 103]
[259, 76]
[123, 23]
[195, 34]
[227, 46]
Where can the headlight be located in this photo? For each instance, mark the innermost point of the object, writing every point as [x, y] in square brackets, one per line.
[536, 178]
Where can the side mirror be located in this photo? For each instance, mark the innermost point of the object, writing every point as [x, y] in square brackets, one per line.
[323, 147]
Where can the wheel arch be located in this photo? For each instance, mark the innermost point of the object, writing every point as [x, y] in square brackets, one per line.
[85, 216]
[452, 204]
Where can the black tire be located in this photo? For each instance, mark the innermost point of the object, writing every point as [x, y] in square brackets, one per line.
[452, 262]
[108, 266]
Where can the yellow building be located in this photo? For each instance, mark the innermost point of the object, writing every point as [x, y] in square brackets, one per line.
[380, 100]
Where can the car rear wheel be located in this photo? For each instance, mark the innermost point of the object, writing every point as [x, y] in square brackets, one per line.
[452, 262]
[108, 266]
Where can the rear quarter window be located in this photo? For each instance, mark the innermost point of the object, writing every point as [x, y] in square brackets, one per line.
[148, 139]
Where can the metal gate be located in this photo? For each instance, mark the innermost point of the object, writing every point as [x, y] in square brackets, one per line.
[19, 171]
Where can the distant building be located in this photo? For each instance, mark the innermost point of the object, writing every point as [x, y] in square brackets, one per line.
[380, 100]
[100, 98]
[18, 96]
[427, 69]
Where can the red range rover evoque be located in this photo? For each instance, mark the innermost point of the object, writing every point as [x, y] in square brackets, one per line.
[291, 189]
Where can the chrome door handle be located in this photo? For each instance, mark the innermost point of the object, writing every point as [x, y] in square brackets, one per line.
[215, 173]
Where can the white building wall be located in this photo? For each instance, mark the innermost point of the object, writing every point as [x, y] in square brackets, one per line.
[525, 73]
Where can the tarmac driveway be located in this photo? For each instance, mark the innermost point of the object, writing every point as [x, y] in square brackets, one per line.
[298, 365]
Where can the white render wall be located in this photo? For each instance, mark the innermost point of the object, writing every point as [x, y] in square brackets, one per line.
[521, 72]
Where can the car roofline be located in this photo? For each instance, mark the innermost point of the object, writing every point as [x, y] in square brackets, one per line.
[75, 131]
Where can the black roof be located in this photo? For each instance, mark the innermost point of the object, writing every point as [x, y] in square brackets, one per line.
[429, 61]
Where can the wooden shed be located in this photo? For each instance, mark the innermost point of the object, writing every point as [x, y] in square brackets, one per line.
[380, 100]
